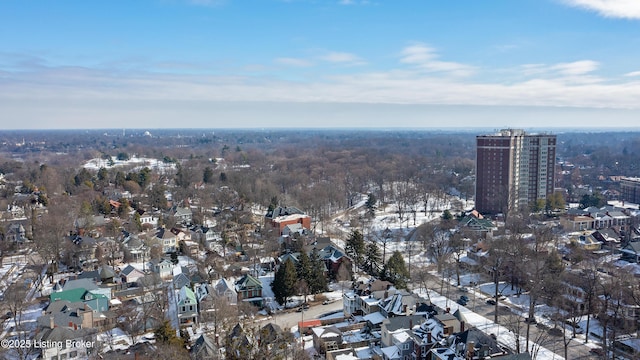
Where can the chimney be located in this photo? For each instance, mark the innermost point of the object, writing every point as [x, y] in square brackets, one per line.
[461, 326]
[429, 337]
[471, 349]
[52, 324]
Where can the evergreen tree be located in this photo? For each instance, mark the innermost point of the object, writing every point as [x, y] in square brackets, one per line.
[396, 271]
[166, 334]
[207, 175]
[120, 178]
[371, 204]
[284, 282]
[372, 258]
[318, 280]
[355, 246]
[304, 267]
[144, 177]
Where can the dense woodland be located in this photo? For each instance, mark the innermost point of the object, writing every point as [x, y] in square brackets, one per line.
[322, 172]
[315, 170]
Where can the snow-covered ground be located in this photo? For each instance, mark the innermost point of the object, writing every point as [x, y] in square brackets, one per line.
[503, 335]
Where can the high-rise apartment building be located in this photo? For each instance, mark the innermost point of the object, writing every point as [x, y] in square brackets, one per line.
[630, 189]
[513, 170]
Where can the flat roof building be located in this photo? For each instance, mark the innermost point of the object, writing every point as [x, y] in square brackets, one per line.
[513, 170]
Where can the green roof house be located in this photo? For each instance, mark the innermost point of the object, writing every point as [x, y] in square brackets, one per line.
[97, 302]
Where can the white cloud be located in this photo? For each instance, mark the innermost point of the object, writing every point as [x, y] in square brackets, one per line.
[422, 80]
[295, 62]
[425, 58]
[342, 57]
[628, 9]
[576, 68]
[633, 74]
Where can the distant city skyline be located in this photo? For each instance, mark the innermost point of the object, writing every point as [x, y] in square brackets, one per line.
[320, 64]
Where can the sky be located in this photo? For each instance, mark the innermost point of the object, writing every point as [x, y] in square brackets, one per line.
[81, 64]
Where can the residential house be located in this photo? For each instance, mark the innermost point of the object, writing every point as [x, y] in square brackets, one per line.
[205, 235]
[87, 284]
[74, 316]
[168, 240]
[397, 336]
[451, 324]
[586, 241]
[187, 305]
[205, 348]
[16, 233]
[147, 219]
[92, 226]
[476, 223]
[631, 252]
[162, 267]
[399, 304]
[333, 257]
[608, 237]
[280, 217]
[81, 341]
[182, 214]
[180, 280]
[135, 248]
[350, 303]
[130, 274]
[249, 289]
[97, 302]
[224, 288]
[189, 248]
[205, 295]
[326, 338]
[577, 223]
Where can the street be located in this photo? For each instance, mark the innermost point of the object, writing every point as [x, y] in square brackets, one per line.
[510, 319]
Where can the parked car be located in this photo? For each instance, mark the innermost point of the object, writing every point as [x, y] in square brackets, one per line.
[491, 302]
[326, 302]
[461, 302]
[464, 297]
[529, 320]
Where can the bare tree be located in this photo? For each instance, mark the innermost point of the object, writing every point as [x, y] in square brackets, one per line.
[52, 229]
[16, 305]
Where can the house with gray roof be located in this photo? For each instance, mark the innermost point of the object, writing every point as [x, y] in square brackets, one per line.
[81, 342]
[225, 288]
[130, 274]
[631, 252]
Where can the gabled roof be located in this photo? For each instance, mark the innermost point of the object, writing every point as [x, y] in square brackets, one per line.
[247, 281]
[186, 293]
[62, 334]
[106, 272]
[632, 247]
[85, 283]
[79, 295]
[204, 348]
[180, 281]
[476, 222]
[129, 269]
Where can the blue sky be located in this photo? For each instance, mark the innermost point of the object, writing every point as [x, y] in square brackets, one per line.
[319, 63]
